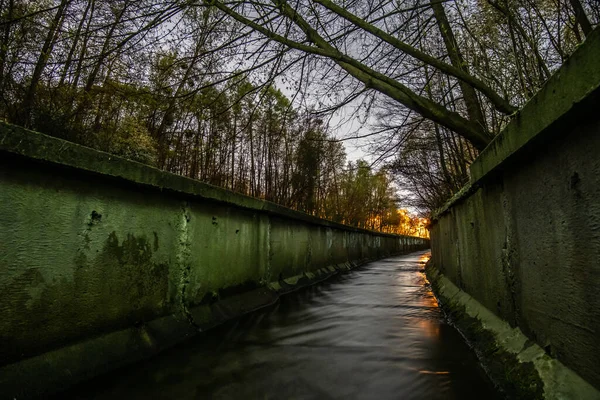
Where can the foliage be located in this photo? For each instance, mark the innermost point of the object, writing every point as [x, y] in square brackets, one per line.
[133, 141]
[195, 88]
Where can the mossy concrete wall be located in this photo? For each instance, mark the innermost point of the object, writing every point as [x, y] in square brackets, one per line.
[104, 261]
[519, 367]
[523, 239]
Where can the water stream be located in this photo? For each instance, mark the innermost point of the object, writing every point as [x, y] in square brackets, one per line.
[373, 333]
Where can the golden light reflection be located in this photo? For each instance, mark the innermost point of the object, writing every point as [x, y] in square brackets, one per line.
[429, 329]
[434, 372]
[429, 301]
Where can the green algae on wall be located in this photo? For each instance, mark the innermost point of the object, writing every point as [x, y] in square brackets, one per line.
[519, 367]
[523, 238]
[105, 261]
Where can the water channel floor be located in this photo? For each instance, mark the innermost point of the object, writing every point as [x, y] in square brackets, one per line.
[373, 333]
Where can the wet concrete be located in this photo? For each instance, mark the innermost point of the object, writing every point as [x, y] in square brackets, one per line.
[374, 333]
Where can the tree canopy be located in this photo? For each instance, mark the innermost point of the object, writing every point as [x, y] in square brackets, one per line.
[241, 93]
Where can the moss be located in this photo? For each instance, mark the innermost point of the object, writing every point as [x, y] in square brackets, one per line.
[132, 286]
[18, 141]
[516, 379]
[575, 83]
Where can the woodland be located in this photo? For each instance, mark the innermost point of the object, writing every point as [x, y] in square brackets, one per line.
[259, 96]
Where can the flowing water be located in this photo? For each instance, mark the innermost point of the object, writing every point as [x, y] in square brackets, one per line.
[373, 333]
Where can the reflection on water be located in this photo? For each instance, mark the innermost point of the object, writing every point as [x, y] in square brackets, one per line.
[424, 258]
[374, 333]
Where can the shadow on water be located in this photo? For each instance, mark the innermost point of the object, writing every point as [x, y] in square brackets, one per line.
[373, 333]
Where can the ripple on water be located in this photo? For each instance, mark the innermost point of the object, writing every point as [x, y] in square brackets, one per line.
[374, 333]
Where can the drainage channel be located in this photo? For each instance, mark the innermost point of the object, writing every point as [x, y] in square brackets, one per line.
[373, 333]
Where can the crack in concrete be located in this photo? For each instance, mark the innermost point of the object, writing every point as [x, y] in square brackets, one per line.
[183, 260]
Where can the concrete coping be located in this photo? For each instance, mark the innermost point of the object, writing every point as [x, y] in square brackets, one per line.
[577, 79]
[472, 319]
[34, 145]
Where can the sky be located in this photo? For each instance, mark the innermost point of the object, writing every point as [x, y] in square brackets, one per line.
[341, 126]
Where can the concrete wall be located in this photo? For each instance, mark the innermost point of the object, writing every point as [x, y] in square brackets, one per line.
[523, 238]
[105, 261]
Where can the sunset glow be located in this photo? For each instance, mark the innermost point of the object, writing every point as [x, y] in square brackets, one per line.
[401, 222]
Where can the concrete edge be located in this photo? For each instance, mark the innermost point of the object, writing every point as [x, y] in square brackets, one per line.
[571, 84]
[518, 366]
[21, 142]
[576, 79]
[58, 370]
[464, 193]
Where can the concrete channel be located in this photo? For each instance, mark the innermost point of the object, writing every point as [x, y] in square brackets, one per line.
[375, 332]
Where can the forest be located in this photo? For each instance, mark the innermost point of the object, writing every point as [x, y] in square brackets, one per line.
[252, 96]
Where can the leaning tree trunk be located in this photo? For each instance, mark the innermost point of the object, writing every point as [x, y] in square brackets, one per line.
[470, 96]
[581, 18]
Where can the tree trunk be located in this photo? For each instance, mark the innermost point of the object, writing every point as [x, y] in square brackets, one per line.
[74, 45]
[457, 60]
[581, 18]
[5, 41]
[27, 105]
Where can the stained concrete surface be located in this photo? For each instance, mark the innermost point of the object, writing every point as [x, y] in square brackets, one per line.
[519, 367]
[373, 333]
[523, 238]
[104, 261]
